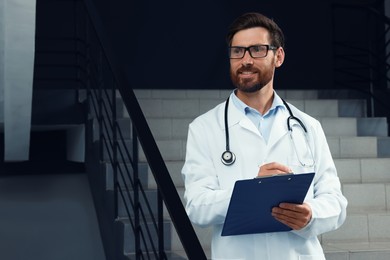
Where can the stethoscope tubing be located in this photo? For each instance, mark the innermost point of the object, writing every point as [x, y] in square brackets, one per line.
[228, 157]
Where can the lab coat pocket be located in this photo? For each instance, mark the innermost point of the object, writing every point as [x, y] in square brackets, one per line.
[311, 257]
[298, 169]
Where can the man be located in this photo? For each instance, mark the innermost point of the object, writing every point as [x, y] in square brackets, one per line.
[258, 134]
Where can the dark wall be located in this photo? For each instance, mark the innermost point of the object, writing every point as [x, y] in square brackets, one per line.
[181, 44]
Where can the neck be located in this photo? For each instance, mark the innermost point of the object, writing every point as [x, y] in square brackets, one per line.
[260, 100]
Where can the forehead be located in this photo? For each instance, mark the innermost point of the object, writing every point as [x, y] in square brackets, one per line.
[252, 36]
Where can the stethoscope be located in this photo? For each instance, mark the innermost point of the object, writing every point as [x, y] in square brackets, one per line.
[228, 157]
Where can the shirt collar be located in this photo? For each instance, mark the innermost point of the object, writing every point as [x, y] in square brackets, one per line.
[245, 109]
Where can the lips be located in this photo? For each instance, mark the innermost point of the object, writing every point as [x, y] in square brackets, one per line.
[246, 73]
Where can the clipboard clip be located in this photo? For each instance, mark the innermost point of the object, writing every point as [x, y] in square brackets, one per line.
[274, 175]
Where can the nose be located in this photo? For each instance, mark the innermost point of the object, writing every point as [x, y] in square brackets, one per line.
[247, 60]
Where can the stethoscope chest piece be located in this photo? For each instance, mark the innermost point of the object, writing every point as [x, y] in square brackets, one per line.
[228, 158]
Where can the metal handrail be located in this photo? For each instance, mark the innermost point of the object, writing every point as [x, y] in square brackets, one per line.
[113, 146]
[141, 132]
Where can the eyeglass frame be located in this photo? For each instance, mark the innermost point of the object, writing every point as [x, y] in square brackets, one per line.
[269, 47]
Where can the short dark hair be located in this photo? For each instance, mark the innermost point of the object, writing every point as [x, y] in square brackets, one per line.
[251, 20]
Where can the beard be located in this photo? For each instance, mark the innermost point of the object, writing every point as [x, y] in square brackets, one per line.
[250, 85]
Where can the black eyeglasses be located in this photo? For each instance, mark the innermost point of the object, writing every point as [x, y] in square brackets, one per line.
[256, 51]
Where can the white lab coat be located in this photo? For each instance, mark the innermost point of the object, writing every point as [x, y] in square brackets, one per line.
[209, 182]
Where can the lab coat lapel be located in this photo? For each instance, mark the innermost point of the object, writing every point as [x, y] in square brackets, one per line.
[235, 116]
[246, 123]
[279, 127]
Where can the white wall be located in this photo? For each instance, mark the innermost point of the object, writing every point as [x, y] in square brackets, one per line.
[387, 13]
[2, 42]
[18, 47]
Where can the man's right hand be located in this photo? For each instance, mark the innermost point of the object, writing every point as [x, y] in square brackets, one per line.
[272, 169]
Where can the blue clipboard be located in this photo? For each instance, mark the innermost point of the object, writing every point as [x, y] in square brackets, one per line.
[252, 200]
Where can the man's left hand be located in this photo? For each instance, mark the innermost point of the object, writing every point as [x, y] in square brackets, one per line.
[296, 216]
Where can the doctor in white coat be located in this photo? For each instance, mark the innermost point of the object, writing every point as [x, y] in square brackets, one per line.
[260, 140]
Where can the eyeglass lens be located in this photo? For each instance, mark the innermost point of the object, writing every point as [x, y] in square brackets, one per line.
[256, 51]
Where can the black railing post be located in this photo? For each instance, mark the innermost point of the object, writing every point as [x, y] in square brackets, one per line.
[114, 129]
[372, 65]
[160, 226]
[100, 109]
[137, 224]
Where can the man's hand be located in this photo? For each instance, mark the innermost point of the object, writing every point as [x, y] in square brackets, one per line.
[295, 216]
[273, 168]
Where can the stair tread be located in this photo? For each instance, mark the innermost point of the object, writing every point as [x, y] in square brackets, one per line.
[362, 211]
[357, 246]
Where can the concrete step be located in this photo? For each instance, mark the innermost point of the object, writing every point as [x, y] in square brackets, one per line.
[357, 251]
[365, 234]
[171, 150]
[340, 147]
[363, 197]
[342, 251]
[159, 104]
[363, 170]
[365, 182]
[166, 103]
[353, 126]
[362, 237]
[174, 168]
[221, 94]
[372, 126]
[352, 170]
[215, 93]
[193, 107]
[331, 107]
[177, 128]
[361, 227]
[384, 146]
[341, 133]
[355, 147]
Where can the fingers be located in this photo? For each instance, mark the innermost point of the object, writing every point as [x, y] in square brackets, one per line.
[273, 168]
[295, 216]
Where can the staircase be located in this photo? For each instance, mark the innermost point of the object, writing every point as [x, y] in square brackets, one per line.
[360, 147]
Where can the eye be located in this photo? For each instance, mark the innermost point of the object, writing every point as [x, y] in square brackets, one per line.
[236, 50]
[257, 48]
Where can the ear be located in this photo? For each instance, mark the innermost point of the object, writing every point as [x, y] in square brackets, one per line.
[279, 57]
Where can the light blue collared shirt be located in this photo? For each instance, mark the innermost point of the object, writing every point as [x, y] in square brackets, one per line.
[262, 122]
